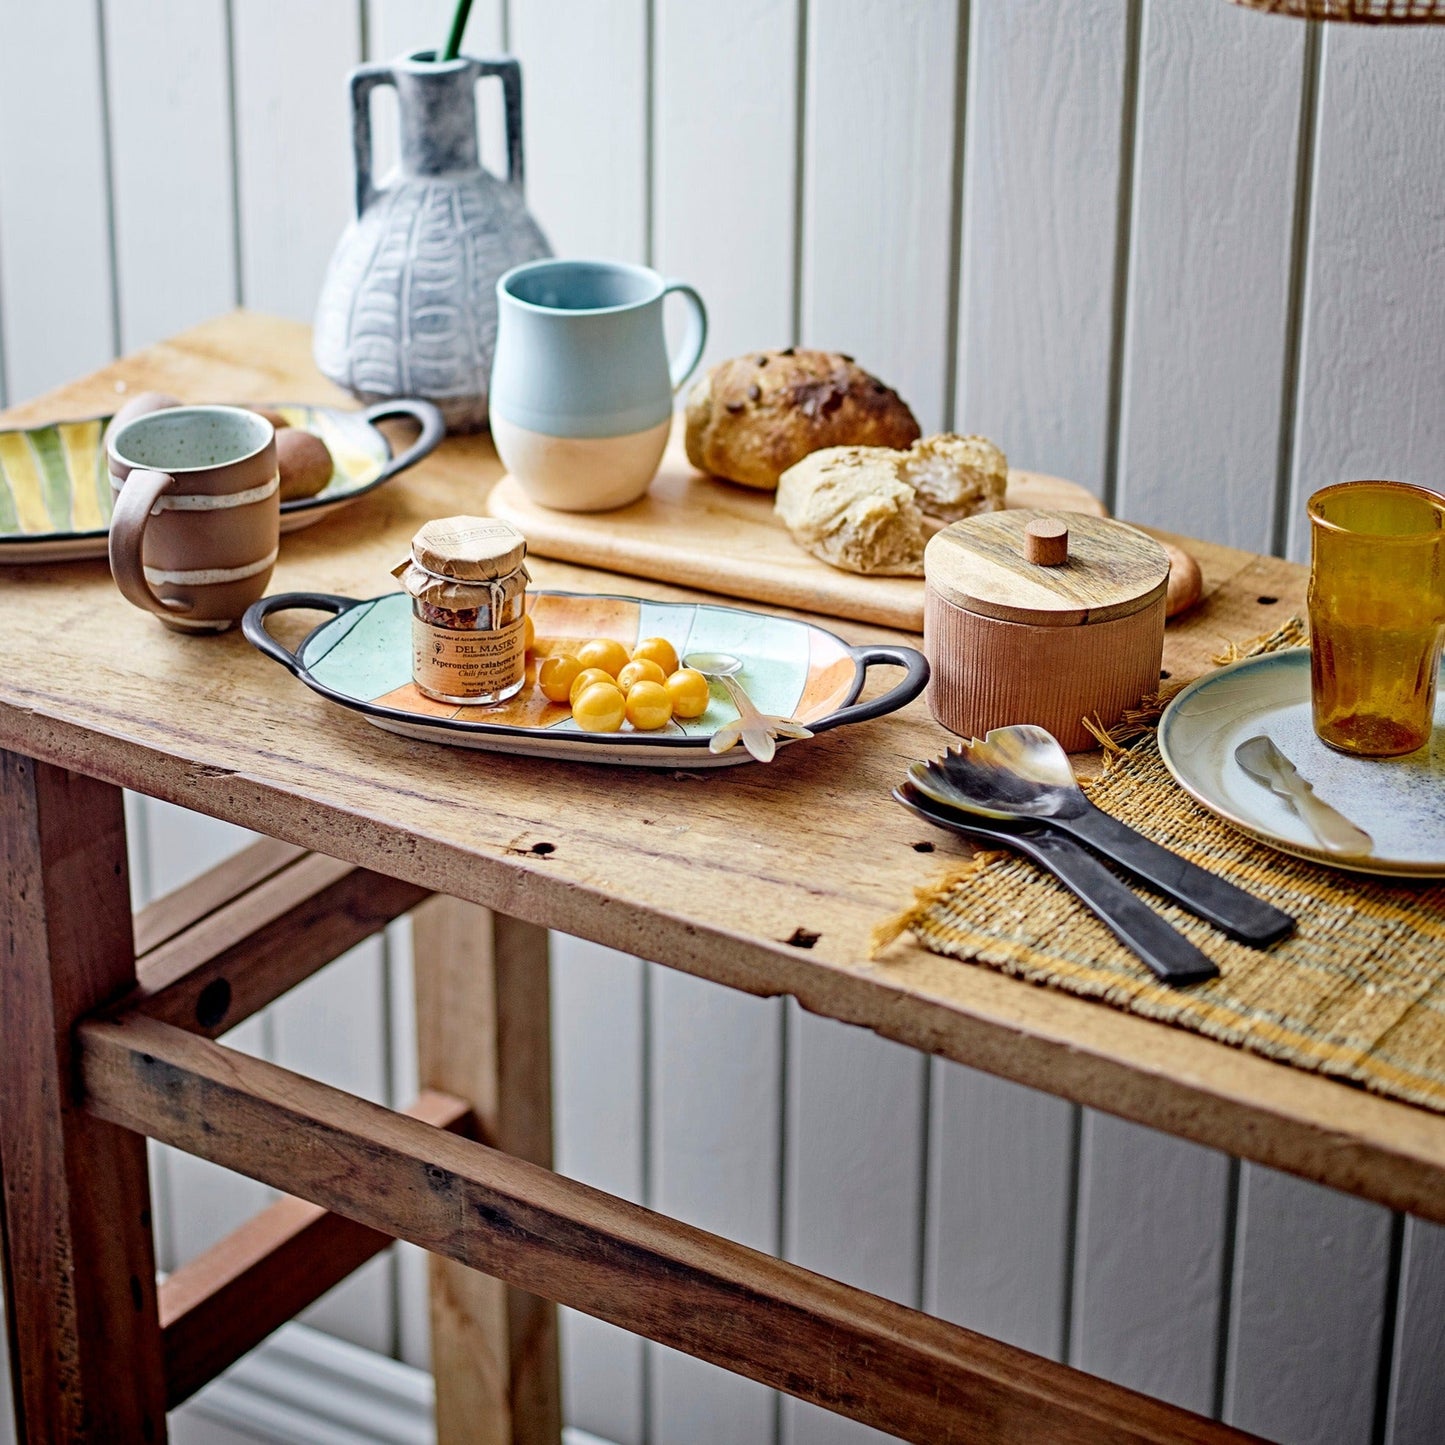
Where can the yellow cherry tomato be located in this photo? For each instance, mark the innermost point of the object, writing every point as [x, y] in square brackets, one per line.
[529, 632]
[599, 708]
[639, 670]
[658, 650]
[585, 679]
[648, 706]
[556, 676]
[689, 693]
[603, 652]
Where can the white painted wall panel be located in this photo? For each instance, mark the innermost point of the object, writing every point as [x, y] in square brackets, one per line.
[1306, 1325]
[598, 1053]
[1001, 1191]
[1040, 220]
[715, 1108]
[723, 190]
[55, 276]
[853, 1177]
[197, 1202]
[1372, 398]
[293, 134]
[334, 1028]
[878, 189]
[1416, 1411]
[584, 66]
[1149, 1263]
[1213, 216]
[170, 137]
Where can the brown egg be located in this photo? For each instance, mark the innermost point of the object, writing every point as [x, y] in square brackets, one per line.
[140, 405]
[274, 417]
[304, 461]
[1186, 581]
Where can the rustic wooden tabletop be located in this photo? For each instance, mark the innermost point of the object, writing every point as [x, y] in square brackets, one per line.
[767, 879]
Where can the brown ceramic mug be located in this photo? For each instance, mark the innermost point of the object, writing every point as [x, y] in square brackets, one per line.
[197, 517]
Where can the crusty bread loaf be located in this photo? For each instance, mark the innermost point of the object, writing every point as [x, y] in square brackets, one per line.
[955, 476]
[751, 418]
[847, 506]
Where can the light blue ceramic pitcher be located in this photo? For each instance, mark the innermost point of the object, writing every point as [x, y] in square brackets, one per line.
[582, 386]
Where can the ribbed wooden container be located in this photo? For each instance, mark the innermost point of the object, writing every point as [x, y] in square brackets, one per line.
[1013, 642]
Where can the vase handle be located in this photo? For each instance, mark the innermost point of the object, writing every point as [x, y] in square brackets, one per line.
[509, 72]
[364, 79]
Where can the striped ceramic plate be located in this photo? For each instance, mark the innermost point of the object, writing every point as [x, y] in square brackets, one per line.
[55, 488]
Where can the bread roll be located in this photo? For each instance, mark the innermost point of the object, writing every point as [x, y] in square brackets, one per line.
[847, 506]
[751, 418]
[955, 476]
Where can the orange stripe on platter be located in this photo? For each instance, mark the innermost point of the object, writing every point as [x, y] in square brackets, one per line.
[830, 676]
[563, 624]
[410, 699]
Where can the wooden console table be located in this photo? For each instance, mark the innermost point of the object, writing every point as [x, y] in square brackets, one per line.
[107, 1025]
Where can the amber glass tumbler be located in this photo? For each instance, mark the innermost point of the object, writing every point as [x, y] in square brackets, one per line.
[1377, 614]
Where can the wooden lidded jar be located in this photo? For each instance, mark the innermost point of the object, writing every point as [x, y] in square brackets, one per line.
[1042, 617]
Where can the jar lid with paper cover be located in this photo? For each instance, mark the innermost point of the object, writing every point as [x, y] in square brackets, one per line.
[1042, 617]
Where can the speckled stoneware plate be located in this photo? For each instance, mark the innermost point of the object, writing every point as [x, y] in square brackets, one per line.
[55, 492]
[361, 659]
[1400, 802]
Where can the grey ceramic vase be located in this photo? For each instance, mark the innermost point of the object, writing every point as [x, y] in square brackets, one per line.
[409, 305]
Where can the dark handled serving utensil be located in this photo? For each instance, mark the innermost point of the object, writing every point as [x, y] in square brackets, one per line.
[1021, 774]
[1171, 957]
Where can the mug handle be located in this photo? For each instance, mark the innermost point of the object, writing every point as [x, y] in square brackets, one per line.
[141, 491]
[694, 338]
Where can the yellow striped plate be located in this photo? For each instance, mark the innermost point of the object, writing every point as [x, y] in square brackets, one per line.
[55, 487]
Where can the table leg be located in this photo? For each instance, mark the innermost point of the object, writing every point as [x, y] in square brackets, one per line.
[483, 1019]
[75, 1203]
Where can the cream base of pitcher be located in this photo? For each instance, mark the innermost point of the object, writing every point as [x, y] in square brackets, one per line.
[581, 474]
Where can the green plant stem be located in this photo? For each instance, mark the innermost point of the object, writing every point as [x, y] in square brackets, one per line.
[459, 24]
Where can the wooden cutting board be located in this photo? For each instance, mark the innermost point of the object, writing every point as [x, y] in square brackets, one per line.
[699, 532]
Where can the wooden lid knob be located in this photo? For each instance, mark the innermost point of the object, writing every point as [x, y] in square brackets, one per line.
[1046, 542]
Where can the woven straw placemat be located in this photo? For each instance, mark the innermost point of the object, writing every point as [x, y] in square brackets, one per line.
[1358, 991]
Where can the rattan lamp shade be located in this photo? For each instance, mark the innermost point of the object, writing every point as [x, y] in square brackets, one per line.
[1364, 12]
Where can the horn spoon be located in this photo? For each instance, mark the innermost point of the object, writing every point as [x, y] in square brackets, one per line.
[1022, 774]
[1171, 957]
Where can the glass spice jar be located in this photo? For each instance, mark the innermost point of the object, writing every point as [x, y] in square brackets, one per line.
[468, 587]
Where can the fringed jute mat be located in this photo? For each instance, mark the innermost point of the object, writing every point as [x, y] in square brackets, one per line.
[1357, 992]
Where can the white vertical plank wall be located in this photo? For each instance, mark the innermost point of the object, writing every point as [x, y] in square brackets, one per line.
[1040, 229]
[714, 1092]
[1369, 398]
[599, 1012]
[999, 1240]
[1209, 268]
[163, 59]
[880, 92]
[1189, 256]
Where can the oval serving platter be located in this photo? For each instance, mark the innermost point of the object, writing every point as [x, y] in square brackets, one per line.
[55, 495]
[361, 658]
[1400, 802]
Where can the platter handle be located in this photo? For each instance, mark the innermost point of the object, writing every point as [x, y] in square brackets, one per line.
[881, 654]
[253, 624]
[433, 429]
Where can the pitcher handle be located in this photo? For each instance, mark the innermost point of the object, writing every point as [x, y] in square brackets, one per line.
[682, 366]
[509, 72]
[364, 79]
